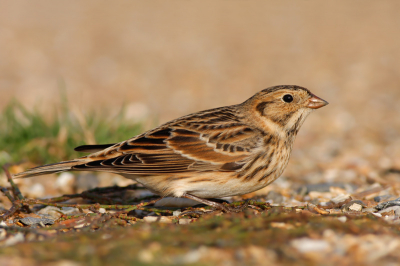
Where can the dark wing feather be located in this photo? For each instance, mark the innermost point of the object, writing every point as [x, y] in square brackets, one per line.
[93, 148]
[207, 141]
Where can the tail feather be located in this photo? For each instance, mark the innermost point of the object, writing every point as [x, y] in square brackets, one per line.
[49, 169]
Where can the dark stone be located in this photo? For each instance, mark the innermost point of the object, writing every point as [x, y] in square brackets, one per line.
[388, 204]
[384, 197]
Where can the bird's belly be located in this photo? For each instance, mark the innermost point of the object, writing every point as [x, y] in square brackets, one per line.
[203, 185]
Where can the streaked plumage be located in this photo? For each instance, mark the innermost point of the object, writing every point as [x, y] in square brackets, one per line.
[220, 152]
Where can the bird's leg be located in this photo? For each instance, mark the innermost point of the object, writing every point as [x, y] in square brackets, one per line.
[215, 204]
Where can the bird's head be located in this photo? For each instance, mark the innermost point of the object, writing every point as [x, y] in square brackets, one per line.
[284, 108]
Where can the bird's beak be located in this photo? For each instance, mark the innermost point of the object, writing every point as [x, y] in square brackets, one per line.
[315, 102]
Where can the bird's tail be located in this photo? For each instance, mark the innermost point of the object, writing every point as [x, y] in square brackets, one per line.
[49, 169]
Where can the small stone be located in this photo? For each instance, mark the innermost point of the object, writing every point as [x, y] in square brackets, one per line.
[161, 219]
[305, 245]
[335, 211]
[52, 212]
[281, 225]
[70, 210]
[370, 210]
[382, 198]
[102, 210]
[65, 182]
[80, 225]
[185, 221]
[354, 205]
[34, 221]
[15, 239]
[343, 219]
[388, 204]
[176, 213]
[150, 219]
[36, 191]
[340, 198]
[394, 209]
[3, 234]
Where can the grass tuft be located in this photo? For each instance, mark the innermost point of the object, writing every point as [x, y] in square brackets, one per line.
[28, 136]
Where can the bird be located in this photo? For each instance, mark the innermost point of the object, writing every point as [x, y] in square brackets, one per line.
[221, 152]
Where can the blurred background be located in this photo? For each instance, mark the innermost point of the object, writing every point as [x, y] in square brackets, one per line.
[164, 59]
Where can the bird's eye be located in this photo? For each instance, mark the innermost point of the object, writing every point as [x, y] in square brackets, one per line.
[287, 98]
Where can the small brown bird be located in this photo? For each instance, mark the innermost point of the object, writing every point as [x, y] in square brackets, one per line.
[220, 152]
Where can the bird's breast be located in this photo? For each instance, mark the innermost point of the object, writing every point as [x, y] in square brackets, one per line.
[268, 164]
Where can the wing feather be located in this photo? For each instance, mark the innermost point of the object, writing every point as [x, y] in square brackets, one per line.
[208, 141]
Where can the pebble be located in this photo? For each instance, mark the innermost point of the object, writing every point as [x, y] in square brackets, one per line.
[64, 182]
[102, 210]
[34, 221]
[160, 219]
[14, 239]
[370, 209]
[70, 210]
[176, 213]
[81, 225]
[395, 209]
[340, 198]
[335, 211]
[354, 205]
[185, 221]
[304, 245]
[3, 234]
[281, 225]
[53, 212]
[36, 191]
[384, 197]
[388, 204]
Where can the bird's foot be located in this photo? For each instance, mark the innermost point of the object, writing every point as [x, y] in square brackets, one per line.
[216, 205]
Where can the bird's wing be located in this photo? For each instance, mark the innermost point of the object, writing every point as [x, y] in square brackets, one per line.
[93, 148]
[188, 144]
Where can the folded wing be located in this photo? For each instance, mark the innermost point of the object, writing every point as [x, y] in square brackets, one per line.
[186, 145]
